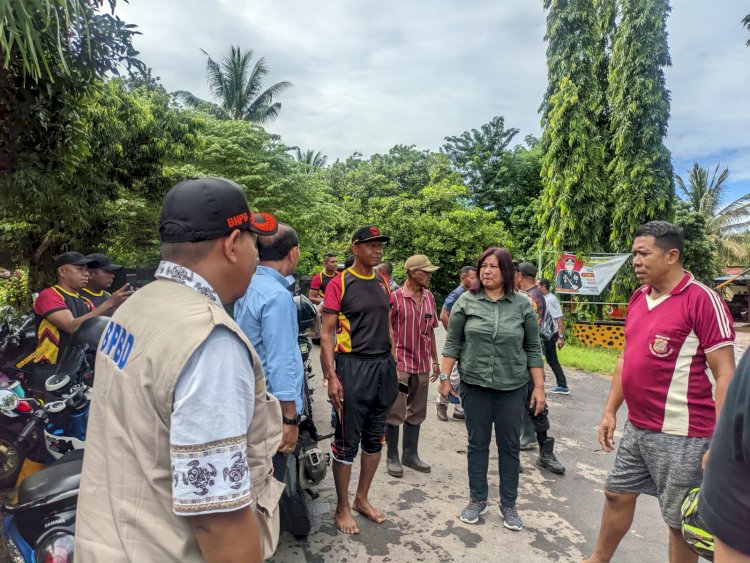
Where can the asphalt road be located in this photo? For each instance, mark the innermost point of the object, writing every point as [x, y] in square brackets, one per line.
[561, 513]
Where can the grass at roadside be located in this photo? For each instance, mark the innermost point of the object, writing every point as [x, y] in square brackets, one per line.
[595, 360]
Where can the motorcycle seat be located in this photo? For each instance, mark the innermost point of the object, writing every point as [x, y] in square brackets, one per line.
[60, 477]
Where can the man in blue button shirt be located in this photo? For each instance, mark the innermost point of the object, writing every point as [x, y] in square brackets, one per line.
[268, 316]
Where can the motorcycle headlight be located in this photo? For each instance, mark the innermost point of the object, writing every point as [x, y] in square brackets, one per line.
[56, 548]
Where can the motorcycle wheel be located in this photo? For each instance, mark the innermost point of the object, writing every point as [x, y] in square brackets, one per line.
[11, 460]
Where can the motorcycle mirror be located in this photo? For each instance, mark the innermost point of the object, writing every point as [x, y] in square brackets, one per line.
[56, 382]
[8, 400]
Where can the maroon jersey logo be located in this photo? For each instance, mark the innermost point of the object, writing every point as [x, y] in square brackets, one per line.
[660, 347]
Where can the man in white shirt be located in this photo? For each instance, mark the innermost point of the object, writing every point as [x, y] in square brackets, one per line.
[553, 336]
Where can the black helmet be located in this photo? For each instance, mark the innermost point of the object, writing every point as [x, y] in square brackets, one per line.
[694, 529]
[89, 332]
[306, 312]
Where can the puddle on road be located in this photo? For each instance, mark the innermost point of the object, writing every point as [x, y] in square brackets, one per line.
[469, 539]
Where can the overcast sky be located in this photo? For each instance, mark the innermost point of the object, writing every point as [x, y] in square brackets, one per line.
[369, 75]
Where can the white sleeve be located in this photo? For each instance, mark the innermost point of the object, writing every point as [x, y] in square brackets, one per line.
[553, 306]
[211, 413]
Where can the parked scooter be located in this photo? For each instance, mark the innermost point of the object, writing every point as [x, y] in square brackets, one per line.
[40, 527]
[17, 347]
[45, 431]
[307, 466]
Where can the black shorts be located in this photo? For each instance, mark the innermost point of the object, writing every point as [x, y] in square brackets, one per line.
[370, 388]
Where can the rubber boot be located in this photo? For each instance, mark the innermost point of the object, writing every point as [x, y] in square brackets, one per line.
[393, 465]
[528, 435]
[547, 458]
[411, 442]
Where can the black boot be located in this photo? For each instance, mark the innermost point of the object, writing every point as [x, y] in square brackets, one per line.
[411, 442]
[547, 458]
[393, 465]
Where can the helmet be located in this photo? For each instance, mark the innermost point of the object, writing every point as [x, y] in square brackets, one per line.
[306, 312]
[694, 530]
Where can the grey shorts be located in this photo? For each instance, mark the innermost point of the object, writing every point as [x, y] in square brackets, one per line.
[657, 464]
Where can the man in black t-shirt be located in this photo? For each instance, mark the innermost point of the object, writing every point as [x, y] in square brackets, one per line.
[320, 281]
[362, 382]
[724, 503]
[101, 275]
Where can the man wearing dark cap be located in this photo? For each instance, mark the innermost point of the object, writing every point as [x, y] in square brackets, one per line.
[181, 431]
[537, 423]
[61, 309]
[101, 275]
[362, 383]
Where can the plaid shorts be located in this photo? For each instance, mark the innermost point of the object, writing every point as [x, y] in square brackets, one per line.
[664, 466]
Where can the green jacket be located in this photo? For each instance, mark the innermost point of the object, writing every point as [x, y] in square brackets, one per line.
[495, 342]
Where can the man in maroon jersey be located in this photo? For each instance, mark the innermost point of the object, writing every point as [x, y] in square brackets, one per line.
[678, 356]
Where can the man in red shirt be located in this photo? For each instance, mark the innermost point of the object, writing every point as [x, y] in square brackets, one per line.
[678, 356]
[362, 383]
[321, 280]
[61, 309]
[413, 320]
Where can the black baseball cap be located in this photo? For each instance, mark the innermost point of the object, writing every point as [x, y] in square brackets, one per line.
[103, 262]
[208, 208]
[75, 258]
[527, 269]
[369, 233]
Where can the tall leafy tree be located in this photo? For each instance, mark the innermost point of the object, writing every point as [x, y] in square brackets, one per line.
[574, 212]
[238, 87]
[723, 221]
[477, 155]
[640, 171]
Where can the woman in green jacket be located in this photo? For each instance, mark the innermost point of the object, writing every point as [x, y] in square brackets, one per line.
[493, 333]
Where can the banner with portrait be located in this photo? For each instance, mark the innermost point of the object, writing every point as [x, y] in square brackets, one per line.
[577, 277]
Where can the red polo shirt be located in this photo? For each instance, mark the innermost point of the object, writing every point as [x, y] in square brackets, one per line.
[666, 380]
[412, 329]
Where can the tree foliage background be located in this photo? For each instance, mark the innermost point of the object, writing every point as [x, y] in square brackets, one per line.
[86, 156]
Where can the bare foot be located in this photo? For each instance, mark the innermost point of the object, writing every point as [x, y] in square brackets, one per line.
[366, 509]
[344, 520]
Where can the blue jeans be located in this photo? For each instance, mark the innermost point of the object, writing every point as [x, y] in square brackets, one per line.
[484, 408]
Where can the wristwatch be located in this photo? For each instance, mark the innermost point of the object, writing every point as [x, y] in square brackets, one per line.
[443, 377]
[292, 421]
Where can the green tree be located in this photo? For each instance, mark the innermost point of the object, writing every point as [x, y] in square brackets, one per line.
[640, 171]
[238, 87]
[723, 221]
[574, 207]
[273, 180]
[477, 155]
[313, 160]
[438, 221]
[122, 140]
[700, 250]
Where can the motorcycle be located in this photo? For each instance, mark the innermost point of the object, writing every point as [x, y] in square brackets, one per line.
[17, 347]
[45, 431]
[40, 526]
[307, 465]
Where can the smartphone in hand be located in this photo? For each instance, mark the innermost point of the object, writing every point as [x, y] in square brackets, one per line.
[132, 281]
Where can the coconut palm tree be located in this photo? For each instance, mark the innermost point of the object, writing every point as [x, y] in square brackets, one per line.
[238, 89]
[315, 160]
[724, 222]
[746, 23]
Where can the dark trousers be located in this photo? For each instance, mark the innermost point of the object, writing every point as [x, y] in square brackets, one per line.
[484, 408]
[550, 354]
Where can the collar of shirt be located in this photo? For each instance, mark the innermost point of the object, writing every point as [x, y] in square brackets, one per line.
[406, 291]
[185, 276]
[483, 296]
[266, 271]
[686, 280]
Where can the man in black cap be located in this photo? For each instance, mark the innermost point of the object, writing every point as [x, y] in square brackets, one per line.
[181, 392]
[61, 309]
[362, 383]
[101, 275]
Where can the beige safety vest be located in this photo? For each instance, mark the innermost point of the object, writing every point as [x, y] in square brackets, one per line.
[125, 500]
